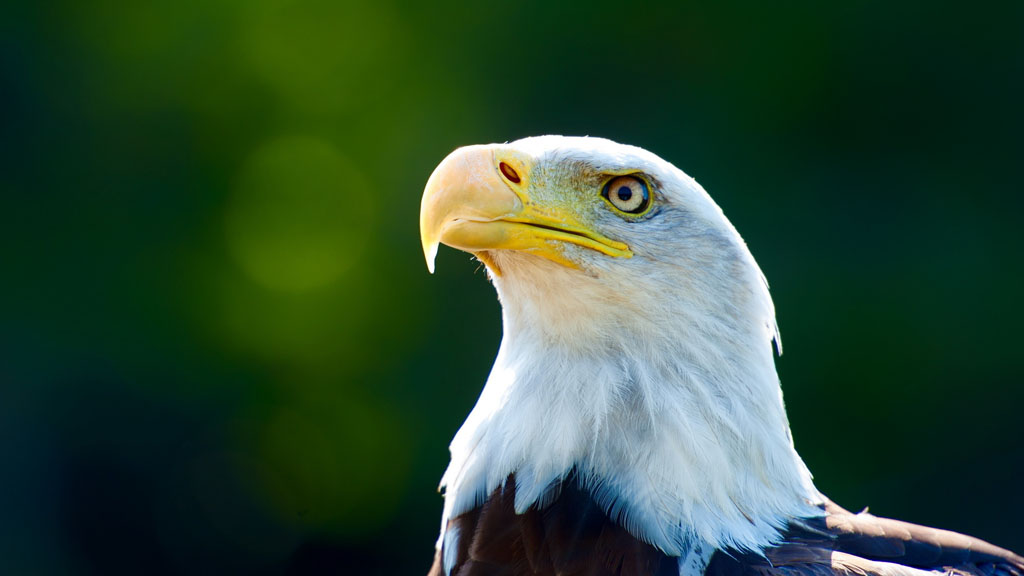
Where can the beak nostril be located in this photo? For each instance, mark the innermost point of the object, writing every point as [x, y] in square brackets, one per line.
[509, 172]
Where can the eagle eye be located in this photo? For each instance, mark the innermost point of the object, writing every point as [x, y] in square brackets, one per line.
[628, 194]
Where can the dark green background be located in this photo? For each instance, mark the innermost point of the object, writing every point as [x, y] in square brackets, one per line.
[221, 352]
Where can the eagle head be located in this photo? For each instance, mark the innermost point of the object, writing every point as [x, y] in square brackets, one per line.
[637, 346]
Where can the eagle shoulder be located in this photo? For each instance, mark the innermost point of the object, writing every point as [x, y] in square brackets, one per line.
[572, 536]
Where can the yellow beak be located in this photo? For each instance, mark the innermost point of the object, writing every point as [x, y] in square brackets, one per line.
[469, 205]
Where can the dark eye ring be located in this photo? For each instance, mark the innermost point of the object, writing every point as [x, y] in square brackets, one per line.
[628, 194]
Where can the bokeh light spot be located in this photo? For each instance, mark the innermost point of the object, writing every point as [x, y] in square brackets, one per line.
[299, 215]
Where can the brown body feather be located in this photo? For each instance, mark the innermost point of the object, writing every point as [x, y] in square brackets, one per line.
[572, 536]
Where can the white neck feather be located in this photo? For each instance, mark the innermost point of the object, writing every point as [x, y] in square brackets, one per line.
[667, 405]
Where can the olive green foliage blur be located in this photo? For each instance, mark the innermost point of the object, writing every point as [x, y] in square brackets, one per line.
[221, 350]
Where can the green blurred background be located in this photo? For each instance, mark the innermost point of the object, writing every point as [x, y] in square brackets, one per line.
[221, 350]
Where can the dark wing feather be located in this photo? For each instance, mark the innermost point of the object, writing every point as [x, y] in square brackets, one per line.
[844, 543]
[881, 538]
[572, 536]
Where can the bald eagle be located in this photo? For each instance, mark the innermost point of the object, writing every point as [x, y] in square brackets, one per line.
[633, 422]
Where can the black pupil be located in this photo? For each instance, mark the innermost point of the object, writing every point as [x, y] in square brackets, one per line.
[625, 193]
